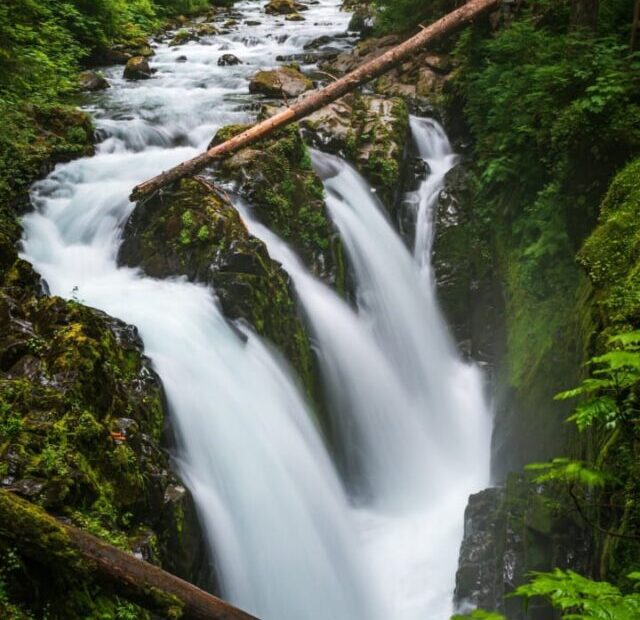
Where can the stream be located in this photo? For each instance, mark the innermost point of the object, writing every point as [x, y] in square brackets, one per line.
[296, 534]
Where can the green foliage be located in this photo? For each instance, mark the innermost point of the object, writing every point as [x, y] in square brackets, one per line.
[567, 471]
[479, 614]
[608, 395]
[579, 598]
[396, 15]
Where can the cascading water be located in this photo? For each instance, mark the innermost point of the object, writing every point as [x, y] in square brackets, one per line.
[414, 424]
[288, 541]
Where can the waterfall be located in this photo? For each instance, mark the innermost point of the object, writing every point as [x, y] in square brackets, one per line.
[294, 536]
[414, 425]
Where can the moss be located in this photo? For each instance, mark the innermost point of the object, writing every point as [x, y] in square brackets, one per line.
[286, 194]
[194, 231]
[610, 255]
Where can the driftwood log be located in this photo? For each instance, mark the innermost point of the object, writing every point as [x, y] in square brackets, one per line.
[451, 22]
[52, 543]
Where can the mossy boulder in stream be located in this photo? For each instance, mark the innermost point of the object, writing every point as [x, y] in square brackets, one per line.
[276, 177]
[192, 230]
[369, 131]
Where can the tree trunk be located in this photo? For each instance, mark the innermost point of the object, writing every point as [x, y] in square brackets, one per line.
[446, 25]
[584, 14]
[66, 548]
[635, 28]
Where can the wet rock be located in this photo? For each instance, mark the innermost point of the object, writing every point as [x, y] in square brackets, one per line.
[227, 60]
[295, 17]
[362, 21]
[252, 22]
[181, 59]
[120, 53]
[137, 68]
[319, 42]
[194, 231]
[370, 131]
[283, 7]
[277, 179]
[182, 37]
[508, 533]
[92, 81]
[282, 82]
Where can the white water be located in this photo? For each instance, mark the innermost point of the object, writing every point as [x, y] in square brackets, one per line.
[289, 543]
[414, 425]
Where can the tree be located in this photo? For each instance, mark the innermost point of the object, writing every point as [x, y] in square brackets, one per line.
[584, 14]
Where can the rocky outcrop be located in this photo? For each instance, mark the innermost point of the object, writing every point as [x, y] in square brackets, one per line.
[137, 68]
[368, 130]
[283, 7]
[420, 80]
[82, 420]
[469, 292]
[194, 231]
[277, 179]
[228, 60]
[92, 81]
[280, 83]
[508, 533]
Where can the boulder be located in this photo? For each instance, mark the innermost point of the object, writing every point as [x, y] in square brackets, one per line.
[193, 231]
[368, 130]
[92, 81]
[510, 532]
[137, 68]
[283, 7]
[282, 82]
[120, 53]
[227, 60]
[276, 177]
[182, 37]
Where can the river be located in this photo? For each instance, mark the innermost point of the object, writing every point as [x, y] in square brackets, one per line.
[294, 535]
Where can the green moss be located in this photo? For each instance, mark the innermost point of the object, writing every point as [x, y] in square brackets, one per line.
[610, 255]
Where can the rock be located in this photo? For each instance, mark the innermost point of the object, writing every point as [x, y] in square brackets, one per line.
[308, 58]
[193, 231]
[361, 21]
[252, 22]
[182, 37]
[120, 53]
[281, 82]
[205, 30]
[137, 68]
[509, 532]
[181, 59]
[319, 42]
[277, 179]
[283, 7]
[227, 60]
[368, 130]
[92, 81]
[295, 17]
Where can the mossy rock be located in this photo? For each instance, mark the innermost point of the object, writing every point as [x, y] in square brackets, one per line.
[368, 130]
[192, 230]
[611, 254]
[281, 82]
[283, 7]
[511, 531]
[277, 178]
[81, 424]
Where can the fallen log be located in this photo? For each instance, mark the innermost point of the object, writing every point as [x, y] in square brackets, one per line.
[451, 22]
[63, 547]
